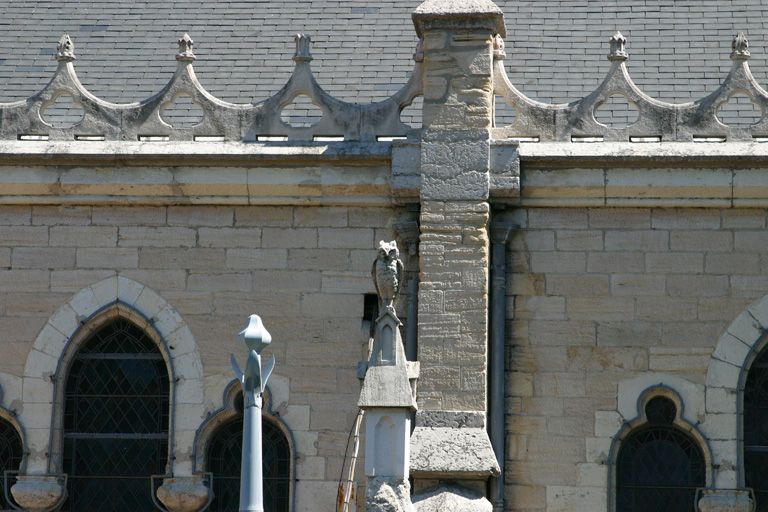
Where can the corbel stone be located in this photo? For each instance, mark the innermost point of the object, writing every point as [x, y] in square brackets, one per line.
[725, 500]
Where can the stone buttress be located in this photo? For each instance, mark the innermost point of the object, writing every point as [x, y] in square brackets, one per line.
[450, 441]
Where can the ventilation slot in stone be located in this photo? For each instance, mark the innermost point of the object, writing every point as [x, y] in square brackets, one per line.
[503, 114]
[63, 112]
[616, 112]
[183, 112]
[739, 112]
[301, 113]
[411, 115]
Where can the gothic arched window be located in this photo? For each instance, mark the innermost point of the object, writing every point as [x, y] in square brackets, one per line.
[116, 410]
[756, 430]
[11, 451]
[659, 466]
[223, 460]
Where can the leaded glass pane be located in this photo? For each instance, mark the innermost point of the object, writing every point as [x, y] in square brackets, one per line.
[756, 430]
[115, 421]
[659, 467]
[224, 455]
[10, 455]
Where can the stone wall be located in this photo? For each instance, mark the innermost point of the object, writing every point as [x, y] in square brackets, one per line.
[305, 270]
[601, 296]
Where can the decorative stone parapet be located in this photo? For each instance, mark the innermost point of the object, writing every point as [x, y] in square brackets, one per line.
[185, 494]
[726, 500]
[39, 493]
[221, 121]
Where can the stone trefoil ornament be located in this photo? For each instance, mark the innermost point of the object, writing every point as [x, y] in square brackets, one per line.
[254, 381]
[387, 274]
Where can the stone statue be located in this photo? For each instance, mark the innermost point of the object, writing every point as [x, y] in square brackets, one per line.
[387, 273]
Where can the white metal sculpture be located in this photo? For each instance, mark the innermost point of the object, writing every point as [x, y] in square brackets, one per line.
[254, 381]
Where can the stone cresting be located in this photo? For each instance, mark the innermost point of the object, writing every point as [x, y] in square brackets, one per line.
[102, 120]
[657, 121]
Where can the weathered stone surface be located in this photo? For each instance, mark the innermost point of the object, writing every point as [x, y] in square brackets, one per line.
[452, 453]
[37, 493]
[183, 494]
[725, 501]
[450, 419]
[451, 499]
[386, 495]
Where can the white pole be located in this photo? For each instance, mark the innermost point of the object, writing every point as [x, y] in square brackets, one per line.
[251, 485]
[254, 381]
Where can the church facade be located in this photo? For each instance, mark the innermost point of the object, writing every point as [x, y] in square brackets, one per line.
[584, 294]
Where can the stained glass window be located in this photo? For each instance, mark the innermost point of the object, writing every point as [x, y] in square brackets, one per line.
[224, 454]
[116, 411]
[10, 455]
[756, 430]
[659, 466]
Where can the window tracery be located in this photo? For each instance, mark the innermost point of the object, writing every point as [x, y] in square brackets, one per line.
[116, 417]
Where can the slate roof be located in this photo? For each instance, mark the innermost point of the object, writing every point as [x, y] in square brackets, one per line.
[556, 49]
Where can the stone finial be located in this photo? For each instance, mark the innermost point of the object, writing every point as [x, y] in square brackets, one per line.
[186, 54]
[740, 47]
[618, 50]
[65, 50]
[498, 48]
[387, 274]
[303, 48]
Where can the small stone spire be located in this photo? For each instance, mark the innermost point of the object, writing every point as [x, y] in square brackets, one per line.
[185, 49]
[618, 51]
[65, 50]
[740, 47]
[303, 48]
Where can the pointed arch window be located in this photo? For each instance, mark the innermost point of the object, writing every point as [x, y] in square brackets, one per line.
[116, 415]
[756, 429]
[659, 466]
[11, 451]
[224, 457]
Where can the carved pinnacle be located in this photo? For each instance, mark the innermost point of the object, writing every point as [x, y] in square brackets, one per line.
[740, 47]
[65, 50]
[618, 51]
[303, 48]
[185, 49]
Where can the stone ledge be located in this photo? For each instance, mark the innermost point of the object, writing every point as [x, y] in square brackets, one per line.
[634, 154]
[190, 153]
[457, 453]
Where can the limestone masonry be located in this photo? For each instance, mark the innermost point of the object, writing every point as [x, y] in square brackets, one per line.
[568, 312]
